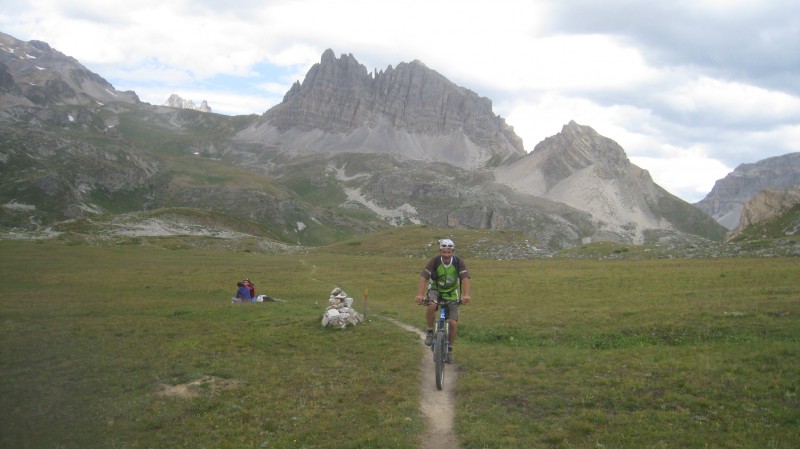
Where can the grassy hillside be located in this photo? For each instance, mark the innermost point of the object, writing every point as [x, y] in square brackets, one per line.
[553, 353]
[121, 159]
[421, 241]
[783, 226]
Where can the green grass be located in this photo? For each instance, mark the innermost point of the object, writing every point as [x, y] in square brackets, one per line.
[667, 354]
[421, 240]
[574, 354]
[783, 226]
[90, 334]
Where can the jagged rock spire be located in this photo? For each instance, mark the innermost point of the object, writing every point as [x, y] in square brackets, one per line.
[409, 110]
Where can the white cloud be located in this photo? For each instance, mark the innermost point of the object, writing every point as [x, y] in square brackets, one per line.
[738, 7]
[236, 104]
[686, 172]
[766, 143]
[145, 74]
[570, 62]
[274, 88]
[544, 116]
[220, 102]
[296, 55]
[731, 102]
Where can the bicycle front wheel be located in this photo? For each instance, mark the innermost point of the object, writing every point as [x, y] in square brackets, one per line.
[439, 353]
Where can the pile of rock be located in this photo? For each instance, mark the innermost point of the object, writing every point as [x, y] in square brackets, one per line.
[340, 310]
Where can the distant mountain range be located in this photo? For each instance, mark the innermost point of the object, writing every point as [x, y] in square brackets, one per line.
[345, 153]
[731, 194]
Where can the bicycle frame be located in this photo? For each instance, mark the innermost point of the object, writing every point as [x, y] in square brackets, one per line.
[441, 341]
[442, 325]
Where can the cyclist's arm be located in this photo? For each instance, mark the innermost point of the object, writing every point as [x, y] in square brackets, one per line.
[465, 289]
[421, 289]
[423, 280]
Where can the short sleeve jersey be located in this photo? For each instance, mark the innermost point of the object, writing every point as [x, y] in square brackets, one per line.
[446, 279]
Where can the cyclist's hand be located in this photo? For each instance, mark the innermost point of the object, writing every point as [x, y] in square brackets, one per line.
[466, 298]
[419, 299]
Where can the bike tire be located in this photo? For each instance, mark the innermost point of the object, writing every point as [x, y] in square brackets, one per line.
[439, 354]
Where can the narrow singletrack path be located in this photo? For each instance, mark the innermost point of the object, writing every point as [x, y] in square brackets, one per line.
[438, 407]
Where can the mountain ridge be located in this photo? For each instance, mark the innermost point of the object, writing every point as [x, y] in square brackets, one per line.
[176, 101]
[346, 152]
[590, 172]
[51, 78]
[730, 194]
[409, 110]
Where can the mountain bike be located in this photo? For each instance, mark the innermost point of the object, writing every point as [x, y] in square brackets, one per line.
[441, 339]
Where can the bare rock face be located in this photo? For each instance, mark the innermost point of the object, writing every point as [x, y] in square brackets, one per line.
[577, 148]
[176, 101]
[32, 74]
[410, 111]
[589, 172]
[767, 204]
[729, 195]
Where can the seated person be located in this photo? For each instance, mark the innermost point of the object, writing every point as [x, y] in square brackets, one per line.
[251, 287]
[242, 294]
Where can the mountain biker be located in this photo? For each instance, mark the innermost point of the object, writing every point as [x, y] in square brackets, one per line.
[446, 277]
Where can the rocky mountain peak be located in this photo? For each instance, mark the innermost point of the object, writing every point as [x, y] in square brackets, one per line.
[576, 148]
[33, 74]
[729, 195]
[584, 170]
[328, 86]
[43, 46]
[175, 101]
[408, 110]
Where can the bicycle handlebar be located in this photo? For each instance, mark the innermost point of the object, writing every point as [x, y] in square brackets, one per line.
[427, 301]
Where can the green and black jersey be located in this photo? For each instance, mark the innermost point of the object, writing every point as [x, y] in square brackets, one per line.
[446, 278]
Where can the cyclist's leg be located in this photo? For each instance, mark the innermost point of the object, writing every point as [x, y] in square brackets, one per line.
[430, 312]
[452, 318]
[430, 315]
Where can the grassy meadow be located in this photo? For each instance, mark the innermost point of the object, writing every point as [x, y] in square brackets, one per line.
[680, 353]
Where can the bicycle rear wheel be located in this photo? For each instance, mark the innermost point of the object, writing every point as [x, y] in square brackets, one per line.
[439, 353]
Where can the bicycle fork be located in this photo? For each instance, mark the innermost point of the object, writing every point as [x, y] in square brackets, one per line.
[442, 327]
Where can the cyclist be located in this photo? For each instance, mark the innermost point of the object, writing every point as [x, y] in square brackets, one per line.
[445, 276]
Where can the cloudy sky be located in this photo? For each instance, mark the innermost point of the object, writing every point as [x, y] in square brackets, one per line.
[689, 88]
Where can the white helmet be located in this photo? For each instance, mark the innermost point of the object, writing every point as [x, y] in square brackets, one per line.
[446, 243]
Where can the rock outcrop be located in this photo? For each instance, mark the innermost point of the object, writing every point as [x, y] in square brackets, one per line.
[410, 111]
[176, 101]
[731, 193]
[766, 205]
[582, 169]
[34, 75]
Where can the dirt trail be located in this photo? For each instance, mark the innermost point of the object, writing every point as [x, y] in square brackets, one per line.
[438, 407]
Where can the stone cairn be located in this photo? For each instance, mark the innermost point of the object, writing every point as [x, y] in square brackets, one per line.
[340, 310]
